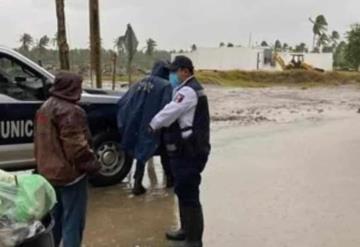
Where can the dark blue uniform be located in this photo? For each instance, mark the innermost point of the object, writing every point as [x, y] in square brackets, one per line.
[187, 140]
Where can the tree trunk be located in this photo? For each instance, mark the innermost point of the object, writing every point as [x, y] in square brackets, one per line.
[95, 41]
[114, 58]
[314, 42]
[61, 36]
[129, 72]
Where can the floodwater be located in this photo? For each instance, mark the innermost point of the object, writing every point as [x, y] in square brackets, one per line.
[269, 185]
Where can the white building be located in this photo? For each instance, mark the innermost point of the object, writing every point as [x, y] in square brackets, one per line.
[242, 58]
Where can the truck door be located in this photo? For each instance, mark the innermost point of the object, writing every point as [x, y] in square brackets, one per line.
[21, 94]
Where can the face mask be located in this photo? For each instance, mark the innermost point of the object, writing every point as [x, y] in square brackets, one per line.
[174, 80]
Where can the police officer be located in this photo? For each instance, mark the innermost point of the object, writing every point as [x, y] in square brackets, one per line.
[187, 140]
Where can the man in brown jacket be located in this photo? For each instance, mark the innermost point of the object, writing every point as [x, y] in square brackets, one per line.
[64, 156]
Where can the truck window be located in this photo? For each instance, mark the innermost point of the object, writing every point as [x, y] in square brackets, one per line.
[19, 82]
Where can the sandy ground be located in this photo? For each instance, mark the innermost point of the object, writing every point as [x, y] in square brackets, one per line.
[283, 172]
[238, 106]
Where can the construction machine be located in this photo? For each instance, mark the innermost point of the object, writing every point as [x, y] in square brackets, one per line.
[297, 62]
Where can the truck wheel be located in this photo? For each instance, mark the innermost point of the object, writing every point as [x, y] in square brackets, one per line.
[115, 163]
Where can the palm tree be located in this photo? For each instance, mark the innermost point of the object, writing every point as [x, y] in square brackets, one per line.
[285, 47]
[322, 41]
[41, 46]
[222, 44]
[26, 41]
[193, 47]
[301, 48]
[335, 36]
[61, 36]
[230, 45]
[119, 44]
[150, 47]
[43, 42]
[131, 43]
[264, 44]
[319, 27]
[278, 45]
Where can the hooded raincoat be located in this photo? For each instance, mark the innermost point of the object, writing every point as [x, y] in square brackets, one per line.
[137, 108]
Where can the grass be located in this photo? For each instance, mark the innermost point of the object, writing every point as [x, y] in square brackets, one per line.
[237, 78]
[285, 78]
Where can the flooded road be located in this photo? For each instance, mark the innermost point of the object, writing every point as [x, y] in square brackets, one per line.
[294, 184]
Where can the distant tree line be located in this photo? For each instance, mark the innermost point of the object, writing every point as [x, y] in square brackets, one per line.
[129, 58]
[346, 52]
[45, 52]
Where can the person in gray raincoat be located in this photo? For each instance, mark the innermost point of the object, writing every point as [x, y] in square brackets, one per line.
[136, 109]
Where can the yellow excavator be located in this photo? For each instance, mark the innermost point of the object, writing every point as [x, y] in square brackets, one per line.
[297, 62]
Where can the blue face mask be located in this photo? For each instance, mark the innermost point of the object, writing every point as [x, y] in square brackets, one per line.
[174, 80]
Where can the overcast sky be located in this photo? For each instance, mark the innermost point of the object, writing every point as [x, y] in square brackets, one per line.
[177, 24]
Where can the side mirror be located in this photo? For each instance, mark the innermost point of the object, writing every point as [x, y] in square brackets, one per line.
[46, 90]
[20, 79]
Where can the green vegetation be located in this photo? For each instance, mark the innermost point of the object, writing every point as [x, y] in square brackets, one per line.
[80, 60]
[286, 78]
[133, 61]
[352, 53]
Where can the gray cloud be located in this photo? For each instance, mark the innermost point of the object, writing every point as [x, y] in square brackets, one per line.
[179, 23]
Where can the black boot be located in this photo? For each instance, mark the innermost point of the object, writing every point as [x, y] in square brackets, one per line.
[138, 177]
[169, 181]
[138, 189]
[194, 226]
[178, 235]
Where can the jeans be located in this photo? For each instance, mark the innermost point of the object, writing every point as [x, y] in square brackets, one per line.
[70, 213]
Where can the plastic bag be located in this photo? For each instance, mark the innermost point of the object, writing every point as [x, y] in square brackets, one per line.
[12, 234]
[35, 198]
[27, 198]
[24, 201]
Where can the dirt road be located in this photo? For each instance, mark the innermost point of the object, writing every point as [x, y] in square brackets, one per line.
[274, 183]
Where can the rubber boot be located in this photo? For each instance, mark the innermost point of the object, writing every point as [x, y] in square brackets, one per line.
[138, 177]
[138, 189]
[178, 235]
[169, 181]
[194, 221]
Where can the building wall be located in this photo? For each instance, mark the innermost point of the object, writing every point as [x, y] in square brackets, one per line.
[241, 58]
[224, 58]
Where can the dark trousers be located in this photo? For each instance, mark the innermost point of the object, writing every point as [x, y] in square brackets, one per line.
[140, 167]
[70, 213]
[187, 177]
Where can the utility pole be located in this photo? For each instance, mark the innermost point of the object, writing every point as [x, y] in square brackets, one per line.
[61, 36]
[95, 41]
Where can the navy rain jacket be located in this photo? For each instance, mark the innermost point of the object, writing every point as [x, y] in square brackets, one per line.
[138, 107]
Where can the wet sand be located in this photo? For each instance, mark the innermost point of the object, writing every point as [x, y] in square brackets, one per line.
[248, 106]
[292, 181]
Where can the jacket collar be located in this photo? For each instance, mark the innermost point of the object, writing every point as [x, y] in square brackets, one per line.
[183, 84]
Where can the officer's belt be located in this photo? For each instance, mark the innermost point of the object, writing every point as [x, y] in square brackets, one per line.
[186, 129]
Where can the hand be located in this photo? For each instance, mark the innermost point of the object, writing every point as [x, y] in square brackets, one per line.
[151, 130]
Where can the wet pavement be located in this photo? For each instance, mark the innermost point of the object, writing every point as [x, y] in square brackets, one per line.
[117, 218]
[294, 184]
